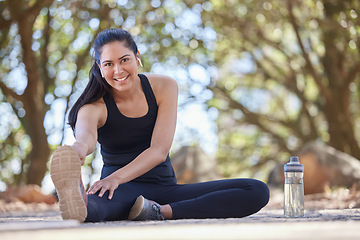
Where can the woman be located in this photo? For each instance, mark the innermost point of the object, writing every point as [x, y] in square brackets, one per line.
[133, 117]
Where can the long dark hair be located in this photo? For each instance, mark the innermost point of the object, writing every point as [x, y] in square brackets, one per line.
[97, 86]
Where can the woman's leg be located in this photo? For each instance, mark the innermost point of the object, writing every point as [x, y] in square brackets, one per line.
[102, 209]
[215, 199]
[65, 171]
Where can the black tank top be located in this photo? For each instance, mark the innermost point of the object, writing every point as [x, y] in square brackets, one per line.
[123, 138]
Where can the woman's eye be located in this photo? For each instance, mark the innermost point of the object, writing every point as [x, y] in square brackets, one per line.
[124, 60]
[107, 64]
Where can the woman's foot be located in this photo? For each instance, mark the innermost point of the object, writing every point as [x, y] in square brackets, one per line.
[144, 210]
[65, 172]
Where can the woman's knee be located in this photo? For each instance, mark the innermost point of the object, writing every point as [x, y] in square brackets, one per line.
[263, 193]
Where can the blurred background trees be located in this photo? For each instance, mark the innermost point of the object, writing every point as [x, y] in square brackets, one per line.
[46, 55]
[288, 74]
[274, 74]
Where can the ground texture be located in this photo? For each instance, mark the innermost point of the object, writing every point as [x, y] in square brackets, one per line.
[332, 215]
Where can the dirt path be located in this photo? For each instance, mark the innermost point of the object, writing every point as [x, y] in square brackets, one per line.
[267, 224]
[335, 215]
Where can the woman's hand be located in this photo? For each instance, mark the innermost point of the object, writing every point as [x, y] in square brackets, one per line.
[109, 183]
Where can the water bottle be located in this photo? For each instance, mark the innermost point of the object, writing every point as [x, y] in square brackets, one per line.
[294, 189]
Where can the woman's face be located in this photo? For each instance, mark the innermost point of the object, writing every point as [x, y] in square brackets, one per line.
[119, 65]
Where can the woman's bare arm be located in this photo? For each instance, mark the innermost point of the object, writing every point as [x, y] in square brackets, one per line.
[90, 116]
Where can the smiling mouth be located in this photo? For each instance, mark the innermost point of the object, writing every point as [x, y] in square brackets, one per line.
[121, 79]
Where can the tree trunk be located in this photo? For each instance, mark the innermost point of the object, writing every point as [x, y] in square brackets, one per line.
[40, 152]
[339, 76]
[341, 127]
[34, 101]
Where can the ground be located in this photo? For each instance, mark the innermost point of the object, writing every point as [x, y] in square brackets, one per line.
[332, 215]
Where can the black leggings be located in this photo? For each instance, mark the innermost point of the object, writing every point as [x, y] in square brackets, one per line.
[232, 198]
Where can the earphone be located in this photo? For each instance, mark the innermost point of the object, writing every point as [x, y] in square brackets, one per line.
[139, 62]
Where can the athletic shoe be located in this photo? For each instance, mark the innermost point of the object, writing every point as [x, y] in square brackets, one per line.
[65, 172]
[144, 210]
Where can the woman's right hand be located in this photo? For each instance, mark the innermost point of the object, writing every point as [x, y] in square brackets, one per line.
[81, 149]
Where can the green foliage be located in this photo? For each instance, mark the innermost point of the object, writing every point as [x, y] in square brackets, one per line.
[282, 72]
[44, 63]
[288, 74]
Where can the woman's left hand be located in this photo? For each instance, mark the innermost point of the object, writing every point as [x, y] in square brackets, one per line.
[109, 183]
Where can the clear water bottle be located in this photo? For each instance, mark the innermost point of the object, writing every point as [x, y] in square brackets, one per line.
[294, 188]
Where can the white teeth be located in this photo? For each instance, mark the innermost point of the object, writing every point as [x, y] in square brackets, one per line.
[120, 79]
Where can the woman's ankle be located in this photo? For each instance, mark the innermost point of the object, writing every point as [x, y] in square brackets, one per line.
[166, 210]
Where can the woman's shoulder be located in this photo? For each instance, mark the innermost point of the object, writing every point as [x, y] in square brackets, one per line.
[164, 87]
[95, 110]
[161, 82]
[93, 105]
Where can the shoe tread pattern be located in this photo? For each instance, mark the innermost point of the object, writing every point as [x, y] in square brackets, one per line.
[65, 172]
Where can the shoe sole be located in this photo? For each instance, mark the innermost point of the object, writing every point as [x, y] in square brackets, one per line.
[65, 172]
[136, 208]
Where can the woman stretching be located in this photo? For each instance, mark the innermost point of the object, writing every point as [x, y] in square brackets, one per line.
[133, 117]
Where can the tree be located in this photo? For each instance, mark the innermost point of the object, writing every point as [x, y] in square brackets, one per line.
[45, 46]
[46, 37]
[288, 74]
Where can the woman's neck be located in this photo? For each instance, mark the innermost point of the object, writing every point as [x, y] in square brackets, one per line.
[132, 94]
